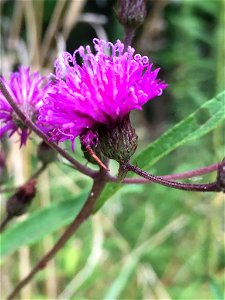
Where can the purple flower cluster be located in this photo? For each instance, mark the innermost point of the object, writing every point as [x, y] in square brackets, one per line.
[27, 90]
[91, 87]
[97, 87]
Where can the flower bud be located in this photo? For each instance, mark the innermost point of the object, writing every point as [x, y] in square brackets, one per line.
[118, 141]
[18, 203]
[221, 176]
[45, 153]
[131, 13]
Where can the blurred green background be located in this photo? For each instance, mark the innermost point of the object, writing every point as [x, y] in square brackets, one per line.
[147, 242]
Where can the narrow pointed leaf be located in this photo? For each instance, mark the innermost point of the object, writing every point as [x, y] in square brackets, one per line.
[39, 224]
[209, 116]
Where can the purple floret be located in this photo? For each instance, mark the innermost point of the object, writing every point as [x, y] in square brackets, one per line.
[97, 87]
[27, 90]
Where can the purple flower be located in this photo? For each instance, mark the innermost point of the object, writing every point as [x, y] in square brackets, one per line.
[27, 90]
[97, 87]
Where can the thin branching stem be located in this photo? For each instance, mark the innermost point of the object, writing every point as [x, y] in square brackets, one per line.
[86, 211]
[83, 169]
[39, 171]
[184, 175]
[5, 222]
[208, 187]
[36, 174]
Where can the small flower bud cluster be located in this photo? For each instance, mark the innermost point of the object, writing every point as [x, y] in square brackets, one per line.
[18, 203]
[131, 13]
[45, 153]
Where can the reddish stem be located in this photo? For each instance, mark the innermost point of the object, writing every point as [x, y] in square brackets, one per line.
[96, 158]
[209, 187]
[35, 175]
[188, 174]
[4, 223]
[86, 211]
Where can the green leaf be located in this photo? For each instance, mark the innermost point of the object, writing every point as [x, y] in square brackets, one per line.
[39, 224]
[216, 289]
[210, 115]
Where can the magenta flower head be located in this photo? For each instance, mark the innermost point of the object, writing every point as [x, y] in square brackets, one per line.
[95, 88]
[27, 90]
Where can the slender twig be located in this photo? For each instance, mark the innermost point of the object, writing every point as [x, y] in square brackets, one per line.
[85, 170]
[39, 171]
[35, 175]
[5, 222]
[184, 175]
[209, 187]
[96, 158]
[86, 211]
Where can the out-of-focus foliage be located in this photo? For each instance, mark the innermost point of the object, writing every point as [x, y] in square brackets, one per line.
[147, 242]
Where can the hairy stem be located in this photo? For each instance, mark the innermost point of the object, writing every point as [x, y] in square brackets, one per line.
[85, 170]
[209, 187]
[86, 211]
[184, 175]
